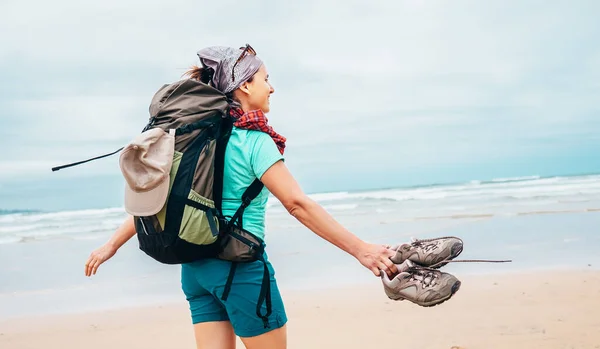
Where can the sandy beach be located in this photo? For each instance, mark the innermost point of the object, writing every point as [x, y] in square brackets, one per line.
[559, 309]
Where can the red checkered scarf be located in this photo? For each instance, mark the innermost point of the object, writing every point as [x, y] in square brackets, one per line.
[256, 120]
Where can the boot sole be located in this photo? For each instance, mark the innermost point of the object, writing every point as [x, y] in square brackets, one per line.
[454, 289]
[454, 254]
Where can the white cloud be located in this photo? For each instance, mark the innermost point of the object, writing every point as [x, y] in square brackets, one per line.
[85, 118]
[435, 80]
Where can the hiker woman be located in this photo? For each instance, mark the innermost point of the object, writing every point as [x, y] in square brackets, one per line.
[254, 151]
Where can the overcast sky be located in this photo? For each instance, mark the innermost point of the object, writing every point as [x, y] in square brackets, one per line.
[379, 92]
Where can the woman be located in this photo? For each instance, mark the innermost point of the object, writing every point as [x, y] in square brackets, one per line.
[254, 150]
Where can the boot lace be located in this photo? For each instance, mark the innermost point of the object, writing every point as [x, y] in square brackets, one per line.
[426, 245]
[425, 276]
[431, 244]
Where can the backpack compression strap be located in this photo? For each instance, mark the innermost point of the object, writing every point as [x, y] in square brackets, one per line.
[178, 132]
[147, 127]
[84, 161]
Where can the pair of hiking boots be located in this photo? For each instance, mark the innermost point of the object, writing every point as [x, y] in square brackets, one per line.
[418, 279]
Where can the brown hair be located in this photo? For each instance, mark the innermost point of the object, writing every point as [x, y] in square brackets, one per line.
[198, 73]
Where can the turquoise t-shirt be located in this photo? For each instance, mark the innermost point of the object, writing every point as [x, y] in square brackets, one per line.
[249, 154]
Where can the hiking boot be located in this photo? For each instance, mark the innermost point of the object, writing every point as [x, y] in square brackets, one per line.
[428, 252]
[423, 286]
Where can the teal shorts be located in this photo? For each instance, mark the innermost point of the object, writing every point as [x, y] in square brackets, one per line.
[203, 283]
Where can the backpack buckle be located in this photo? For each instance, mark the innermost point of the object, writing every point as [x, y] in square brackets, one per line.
[246, 201]
[187, 128]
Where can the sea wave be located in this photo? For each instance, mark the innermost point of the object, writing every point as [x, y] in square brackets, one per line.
[473, 199]
[516, 179]
[76, 224]
[10, 212]
[495, 214]
[532, 187]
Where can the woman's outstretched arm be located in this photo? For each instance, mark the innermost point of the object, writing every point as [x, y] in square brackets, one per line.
[284, 187]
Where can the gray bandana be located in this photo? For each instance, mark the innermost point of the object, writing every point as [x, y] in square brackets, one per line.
[221, 59]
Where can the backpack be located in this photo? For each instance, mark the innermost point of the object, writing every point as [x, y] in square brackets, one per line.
[191, 226]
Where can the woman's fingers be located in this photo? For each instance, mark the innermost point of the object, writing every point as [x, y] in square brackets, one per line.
[391, 267]
[92, 264]
[386, 263]
[377, 258]
[88, 266]
[383, 267]
[95, 266]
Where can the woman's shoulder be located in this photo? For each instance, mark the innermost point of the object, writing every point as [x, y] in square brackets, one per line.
[256, 146]
[250, 137]
[249, 133]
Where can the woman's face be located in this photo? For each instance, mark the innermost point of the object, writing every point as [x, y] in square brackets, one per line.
[257, 92]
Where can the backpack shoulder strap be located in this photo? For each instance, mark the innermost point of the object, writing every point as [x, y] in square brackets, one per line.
[250, 194]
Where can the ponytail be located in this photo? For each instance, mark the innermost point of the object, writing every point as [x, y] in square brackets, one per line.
[201, 74]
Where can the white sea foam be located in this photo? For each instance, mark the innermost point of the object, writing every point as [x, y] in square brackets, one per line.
[341, 207]
[24, 227]
[515, 179]
[526, 187]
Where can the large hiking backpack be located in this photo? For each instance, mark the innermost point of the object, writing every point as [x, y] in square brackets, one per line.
[191, 225]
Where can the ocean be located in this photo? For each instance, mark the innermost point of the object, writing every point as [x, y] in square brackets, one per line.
[537, 222]
[475, 199]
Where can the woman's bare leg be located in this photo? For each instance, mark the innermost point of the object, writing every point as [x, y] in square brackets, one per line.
[214, 335]
[276, 339]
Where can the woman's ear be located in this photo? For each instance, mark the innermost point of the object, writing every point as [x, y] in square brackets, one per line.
[245, 88]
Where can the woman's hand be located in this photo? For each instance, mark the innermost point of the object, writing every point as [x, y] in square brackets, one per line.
[125, 232]
[98, 257]
[376, 257]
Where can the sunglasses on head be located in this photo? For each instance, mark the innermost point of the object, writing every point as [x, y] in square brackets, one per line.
[246, 50]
